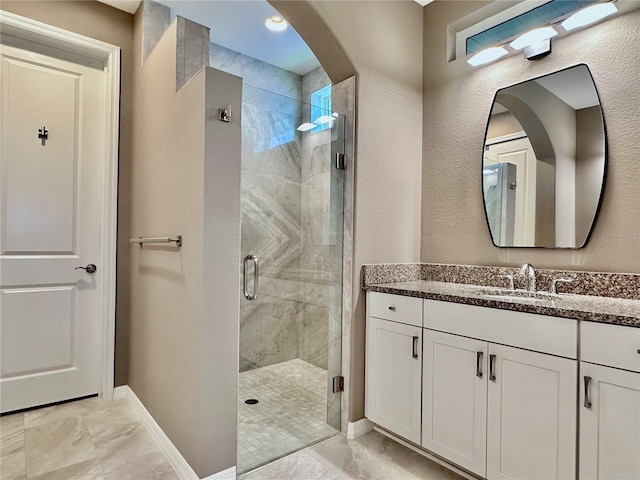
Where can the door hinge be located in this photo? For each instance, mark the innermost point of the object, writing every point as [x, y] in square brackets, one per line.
[341, 161]
[338, 384]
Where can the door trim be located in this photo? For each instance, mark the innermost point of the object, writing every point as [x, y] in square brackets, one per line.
[28, 29]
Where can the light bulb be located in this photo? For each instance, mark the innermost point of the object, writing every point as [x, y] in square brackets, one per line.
[589, 15]
[276, 23]
[487, 56]
[533, 37]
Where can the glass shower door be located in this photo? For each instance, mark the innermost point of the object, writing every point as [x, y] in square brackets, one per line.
[291, 326]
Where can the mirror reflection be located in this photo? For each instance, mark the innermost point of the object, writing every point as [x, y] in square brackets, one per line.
[544, 161]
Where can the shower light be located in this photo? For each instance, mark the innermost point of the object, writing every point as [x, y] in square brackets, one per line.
[306, 126]
[276, 23]
[488, 55]
[533, 37]
[589, 15]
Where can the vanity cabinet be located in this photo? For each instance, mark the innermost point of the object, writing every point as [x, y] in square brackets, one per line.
[394, 364]
[494, 393]
[498, 411]
[454, 411]
[609, 402]
[531, 415]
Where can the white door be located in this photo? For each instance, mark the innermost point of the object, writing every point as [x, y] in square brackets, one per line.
[520, 153]
[394, 377]
[531, 418]
[50, 194]
[454, 399]
[609, 424]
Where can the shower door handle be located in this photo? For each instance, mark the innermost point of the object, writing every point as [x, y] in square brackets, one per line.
[256, 273]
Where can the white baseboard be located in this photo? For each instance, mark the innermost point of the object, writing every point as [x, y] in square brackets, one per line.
[359, 428]
[120, 392]
[228, 474]
[177, 461]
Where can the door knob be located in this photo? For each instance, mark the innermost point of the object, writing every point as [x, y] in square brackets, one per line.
[91, 268]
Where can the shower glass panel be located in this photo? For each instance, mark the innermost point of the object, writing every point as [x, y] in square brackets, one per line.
[292, 223]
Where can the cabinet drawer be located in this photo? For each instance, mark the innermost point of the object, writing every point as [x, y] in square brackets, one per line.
[611, 345]
[540, 333]
[396, 308]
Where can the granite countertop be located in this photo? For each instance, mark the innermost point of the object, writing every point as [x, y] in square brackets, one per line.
[619, 311]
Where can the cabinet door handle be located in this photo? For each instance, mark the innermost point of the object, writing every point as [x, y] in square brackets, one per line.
[415, 347]
[587, 400]
[479, 364]
[393, 309]
[492, 368]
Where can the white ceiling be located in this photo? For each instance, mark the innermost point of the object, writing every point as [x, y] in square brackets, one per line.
[239, 25]
[573, 86]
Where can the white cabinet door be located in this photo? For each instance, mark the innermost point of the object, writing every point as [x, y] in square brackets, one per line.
[610, 426]
[454, 411]
[393, 377]
[531, 424]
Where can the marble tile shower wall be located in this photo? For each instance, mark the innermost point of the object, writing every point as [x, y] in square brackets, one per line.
[285, 215]
[320, 261]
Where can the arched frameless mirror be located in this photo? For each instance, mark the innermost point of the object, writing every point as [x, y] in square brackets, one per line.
[545, 155]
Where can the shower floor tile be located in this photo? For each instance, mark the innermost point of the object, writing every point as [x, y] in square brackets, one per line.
[291, 412]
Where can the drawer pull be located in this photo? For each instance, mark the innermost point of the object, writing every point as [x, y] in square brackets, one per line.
[415, 347]
[587, 400]
[479, 364]
[393, 309]
[492, 368]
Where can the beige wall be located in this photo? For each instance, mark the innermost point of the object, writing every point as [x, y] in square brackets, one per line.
[102, 22]
[503, 124]
[457, 101]
[383, 42]
[185, 179]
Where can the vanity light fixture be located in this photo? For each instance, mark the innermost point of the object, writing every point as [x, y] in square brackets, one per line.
[536, 43]
[589, 15]
[487, 55]
[276, 23]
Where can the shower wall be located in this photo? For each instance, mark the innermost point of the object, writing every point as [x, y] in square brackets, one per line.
[285, 214]
[318, 263]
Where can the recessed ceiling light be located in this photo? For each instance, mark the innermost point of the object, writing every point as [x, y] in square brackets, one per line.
[589, 15]
[276, 23]
[488, 55]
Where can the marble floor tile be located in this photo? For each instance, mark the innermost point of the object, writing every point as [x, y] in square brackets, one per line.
[376, 457]
[89, 470]
[371, 457]
[129, 452]
[299, 466]
[13, 464]
[57, 444]
[102, 418]
[41, 416]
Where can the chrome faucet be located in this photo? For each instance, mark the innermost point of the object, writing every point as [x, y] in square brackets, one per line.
[528, 270]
